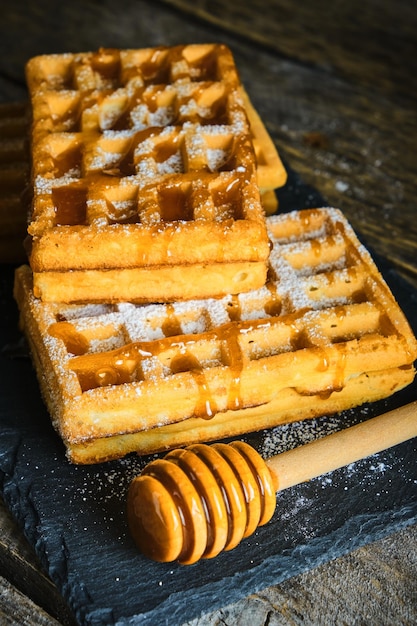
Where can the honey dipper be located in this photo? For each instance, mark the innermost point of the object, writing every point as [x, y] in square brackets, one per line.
[198, 501]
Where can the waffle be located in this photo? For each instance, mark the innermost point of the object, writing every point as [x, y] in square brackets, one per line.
[270, 170]
[14, 172]
[135, 154]
[323, 334]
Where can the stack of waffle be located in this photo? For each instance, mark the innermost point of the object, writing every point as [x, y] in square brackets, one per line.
[161, 306]
[145, 176]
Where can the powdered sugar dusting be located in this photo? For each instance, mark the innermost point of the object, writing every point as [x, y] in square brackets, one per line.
[294, 434]
[135, 127]
[289, 290]
[293, 332]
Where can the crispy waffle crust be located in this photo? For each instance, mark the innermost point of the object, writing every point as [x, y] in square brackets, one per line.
[148, 163]
[322, 335]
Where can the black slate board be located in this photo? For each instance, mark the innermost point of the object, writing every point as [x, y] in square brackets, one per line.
[74, 516]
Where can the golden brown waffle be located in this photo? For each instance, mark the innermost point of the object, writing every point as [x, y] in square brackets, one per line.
[270, 170]
[144, 160]
[322, 335]
[14, 174]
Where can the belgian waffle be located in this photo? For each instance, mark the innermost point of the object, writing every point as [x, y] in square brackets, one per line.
[322, 335]
[135, 155]
[14, 175]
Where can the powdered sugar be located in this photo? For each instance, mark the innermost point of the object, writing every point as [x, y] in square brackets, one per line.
[294, 434]
[140, 128]
[292, 288]
[292, 336]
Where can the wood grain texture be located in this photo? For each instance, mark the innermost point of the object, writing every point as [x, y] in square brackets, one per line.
[17, 609]
[20, 566]
[366, 43]
[381, 583]
[339, 98]
[336, 84]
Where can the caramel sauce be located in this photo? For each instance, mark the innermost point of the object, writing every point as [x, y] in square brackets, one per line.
[330, 278]
[206, 406]
[114, 368]
[229, 197]
[156, 69]
[309, 217]
[171, 326]
[70, 200]
[152, 102]
[273, 306]
[234, 309]
[207, 68]
[123, 122]
[299, 338]
[126, 165]
[219, 112]
[106, 63]
[160, 151]
[105, 377]
[175, 203]
[166, 149]
[325, 394]
[214, 109]
[70, 203]
[67, 160]
[359, 296]
[69, 121]
[229, 333]
[74, 341]
[230, 162]
[124, 365]
[144, 134]
[323, 364]
[316, 247]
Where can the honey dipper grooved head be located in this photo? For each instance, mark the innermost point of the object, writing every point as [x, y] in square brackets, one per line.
[198, 501]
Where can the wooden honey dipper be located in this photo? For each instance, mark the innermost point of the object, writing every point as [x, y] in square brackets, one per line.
[201, 500]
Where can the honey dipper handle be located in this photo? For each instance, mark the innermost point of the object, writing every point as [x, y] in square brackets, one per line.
[344, 447]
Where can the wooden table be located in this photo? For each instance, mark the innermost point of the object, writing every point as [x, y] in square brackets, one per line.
[336, 84]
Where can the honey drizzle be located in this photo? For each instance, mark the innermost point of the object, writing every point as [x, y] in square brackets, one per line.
[106, 62]
[273, 306]
[206, 406]
[70, 202]
[74, 341]
[234, 309]
[231, 335]
[157, 70]
[171, 325]
[123, 365]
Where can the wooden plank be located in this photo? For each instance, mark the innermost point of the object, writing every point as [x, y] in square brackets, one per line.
[361, 42]
[372, 585]
[21, 567]
[330, 78]
[16, 609]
